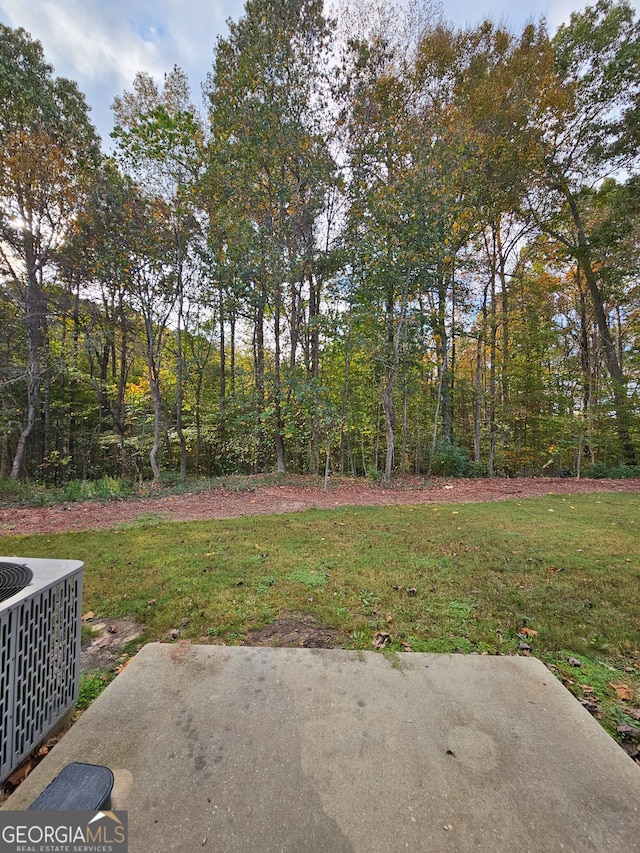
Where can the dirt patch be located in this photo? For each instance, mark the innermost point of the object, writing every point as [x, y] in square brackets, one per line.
[270, 499]
[105, 647]
[299, 631]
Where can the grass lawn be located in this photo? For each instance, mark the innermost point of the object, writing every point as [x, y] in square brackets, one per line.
[556, 577]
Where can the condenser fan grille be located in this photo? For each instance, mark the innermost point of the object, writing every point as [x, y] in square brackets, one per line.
[13, 578]
[40, 607]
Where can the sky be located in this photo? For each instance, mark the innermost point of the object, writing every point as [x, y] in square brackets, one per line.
[101, 44]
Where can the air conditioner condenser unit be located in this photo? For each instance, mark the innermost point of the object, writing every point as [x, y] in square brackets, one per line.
[40, 625]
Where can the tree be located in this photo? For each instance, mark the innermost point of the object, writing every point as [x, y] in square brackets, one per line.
[160, 141]
[270, 163]
[48, 147]
[379, 237]
[97, 258]
[595, 133]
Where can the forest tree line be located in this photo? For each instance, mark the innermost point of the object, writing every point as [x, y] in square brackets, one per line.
[385, 244]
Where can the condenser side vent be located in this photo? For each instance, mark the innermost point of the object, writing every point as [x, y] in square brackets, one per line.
[40, 653]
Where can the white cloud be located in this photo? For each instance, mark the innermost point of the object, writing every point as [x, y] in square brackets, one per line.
[101, 44]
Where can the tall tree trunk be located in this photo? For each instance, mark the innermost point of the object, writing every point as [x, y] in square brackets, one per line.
[258, 357]
[443, 406]
[46, 411]
[178, 237]
[387, 405]
[157, 425]
[232, 349]
[405, 421]
[118, 409]
[345, 395]
[198, 415]
[390, 379]
[395, 336]
[611, 354]
[504, 310]
[180, 392]
[445, 376]
[477, 409]
[222, 349]
[277, 391]
[314, 369]
[492, 369]
[34, 315]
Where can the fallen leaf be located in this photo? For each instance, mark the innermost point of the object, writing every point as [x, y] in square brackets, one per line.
[112, 629]
[528, 632]
[389, 618]
[381, 640]
[210, 554]
[623, 691]
[174, 633]
[407, 647]
[574, 661]
[20, 774]
[151, 601]
[524, 647]
[412, 591]
[587, 689]
[88, 616]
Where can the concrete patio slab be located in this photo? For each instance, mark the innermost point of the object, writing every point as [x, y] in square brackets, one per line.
[327, 751]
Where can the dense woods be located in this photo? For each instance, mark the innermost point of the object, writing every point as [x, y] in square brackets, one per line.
[384, 245]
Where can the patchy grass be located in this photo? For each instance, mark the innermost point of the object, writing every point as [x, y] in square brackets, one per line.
[91, 686]
[556, 577]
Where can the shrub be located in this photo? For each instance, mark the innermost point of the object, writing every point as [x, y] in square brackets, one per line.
[452, 460]
[604, 471]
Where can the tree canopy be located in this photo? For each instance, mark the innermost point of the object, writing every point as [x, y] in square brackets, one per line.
[385, 245]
